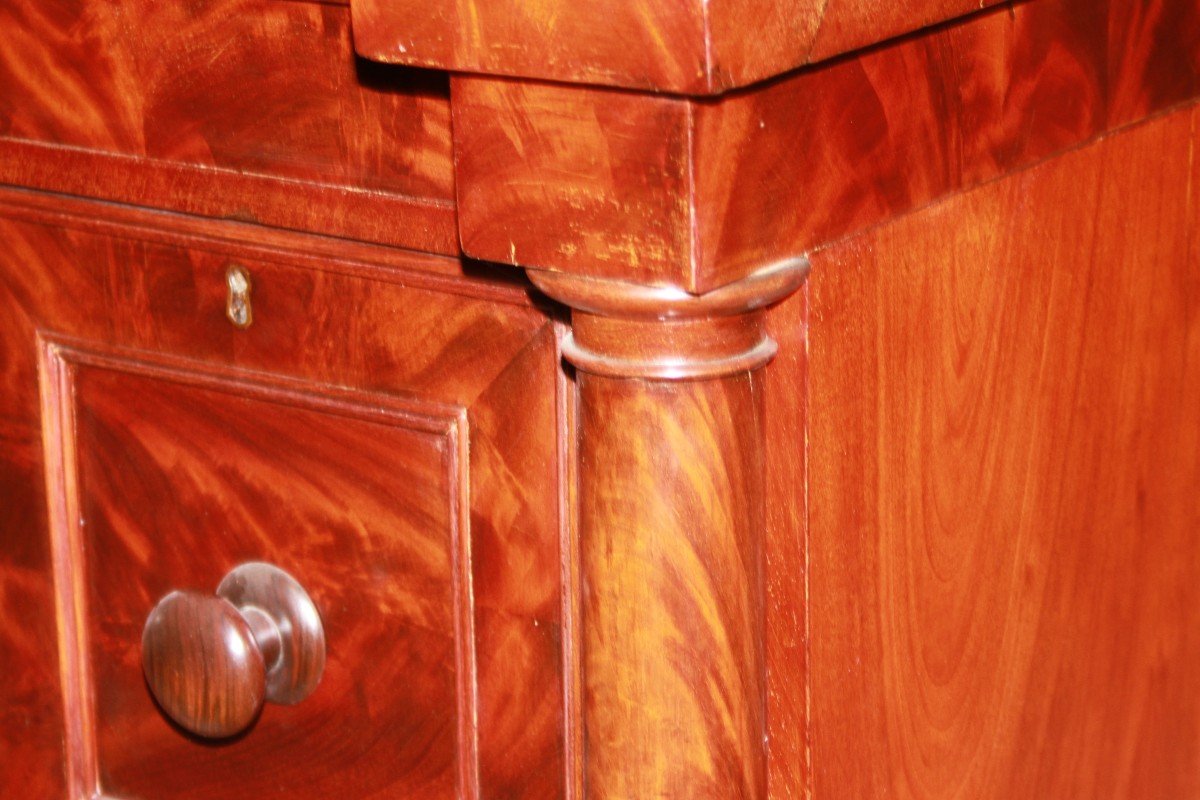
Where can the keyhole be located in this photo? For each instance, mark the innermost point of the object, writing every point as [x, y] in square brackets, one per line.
[237, 305]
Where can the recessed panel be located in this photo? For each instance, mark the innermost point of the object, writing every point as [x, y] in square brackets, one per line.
[179, 476]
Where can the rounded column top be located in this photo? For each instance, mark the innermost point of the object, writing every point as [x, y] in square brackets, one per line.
[627, 330]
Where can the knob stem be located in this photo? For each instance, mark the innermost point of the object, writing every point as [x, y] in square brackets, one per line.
[266, 635]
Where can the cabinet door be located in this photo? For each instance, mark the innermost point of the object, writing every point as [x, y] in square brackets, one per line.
[383, 430]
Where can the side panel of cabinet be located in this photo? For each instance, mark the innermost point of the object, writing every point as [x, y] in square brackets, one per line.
[1004, 514]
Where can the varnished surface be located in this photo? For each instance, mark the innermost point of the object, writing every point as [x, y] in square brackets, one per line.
[670, 505]
[211, 660]
[1004, 451]
[670, 518]
[193, 480]
[632, 331]
[253, 109]
[785, 544]
[579, 180]
[287, 627]
[684, 47]
[389, 323]
[698, 194]
[811, 159]
[202, 664]
[558, 176]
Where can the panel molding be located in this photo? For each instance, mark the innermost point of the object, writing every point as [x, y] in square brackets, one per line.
[60, 358]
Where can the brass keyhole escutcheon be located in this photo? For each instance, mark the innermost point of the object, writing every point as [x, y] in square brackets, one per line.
[237, 302]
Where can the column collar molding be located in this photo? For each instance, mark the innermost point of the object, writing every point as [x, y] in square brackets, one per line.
[626, 330]
[609, 298]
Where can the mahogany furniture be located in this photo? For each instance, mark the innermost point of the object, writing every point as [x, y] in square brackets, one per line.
[620, 400]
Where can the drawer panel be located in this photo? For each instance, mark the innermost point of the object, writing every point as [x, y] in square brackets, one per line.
[177, 475]
[232, 108]
[384, 430]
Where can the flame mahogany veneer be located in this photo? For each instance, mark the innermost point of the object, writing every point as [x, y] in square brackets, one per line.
[840, 438]
[227, 108]
[686, 46]
[555, 177]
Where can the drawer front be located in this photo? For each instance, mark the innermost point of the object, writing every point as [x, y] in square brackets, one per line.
[232, 108]
[178, 475]
[384, 434]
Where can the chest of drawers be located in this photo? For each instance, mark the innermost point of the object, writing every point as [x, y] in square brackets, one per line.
[698, 400]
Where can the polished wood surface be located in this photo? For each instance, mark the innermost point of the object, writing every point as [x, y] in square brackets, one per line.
[670, 516]
[254, 473]
[693, 194]
[211, 661]
[1004, 454]
[785, 543]
[286, 624]
[653, 520]
[142, 289]
[202, 664]
[670, 522]
[249, 109]
[690, 46]
[631, 331]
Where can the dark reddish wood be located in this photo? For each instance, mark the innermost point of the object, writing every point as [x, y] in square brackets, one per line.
[610, 581]
[249, 109]
[240, 462]
[517, 570]
[554, 176]
[572, 571]
[670, 520]
[203, 665]
[286, 625]
[786, 636]
[368, 215]
[212, 660]
[689, 47]
[594, 182]
[323, 254]
[693, 194]
[1004, 453]
[158, 446]
[788, 168]
[632, 331]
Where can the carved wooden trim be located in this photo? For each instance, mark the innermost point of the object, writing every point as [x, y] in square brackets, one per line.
[671, 519]
[60, 360]
[629, 330]
[611, 298]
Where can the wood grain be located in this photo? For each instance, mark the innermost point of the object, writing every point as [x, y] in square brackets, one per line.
[401, 327]
[203, 665]
[785, 562]
[670, 522]
[248, 109]
[627, 330]
[670, 518]
[1003, 506]
[212, 660]
[260, 478]
[697, 194]
[32, 706]
[689, 47]
[792, 168]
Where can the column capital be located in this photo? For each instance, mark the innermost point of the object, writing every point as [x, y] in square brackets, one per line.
[629, 330]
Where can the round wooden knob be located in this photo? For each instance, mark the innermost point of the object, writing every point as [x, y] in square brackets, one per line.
[212, 660]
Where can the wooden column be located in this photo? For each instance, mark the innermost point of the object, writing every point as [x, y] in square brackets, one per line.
[671, 525]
